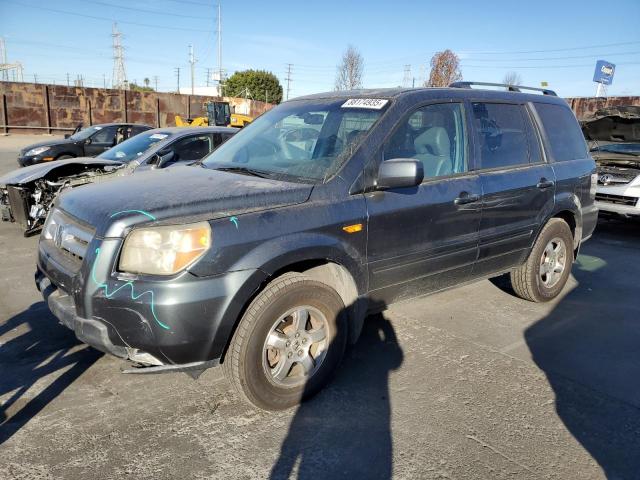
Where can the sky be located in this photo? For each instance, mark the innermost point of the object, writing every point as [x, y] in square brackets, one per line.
[557, 42]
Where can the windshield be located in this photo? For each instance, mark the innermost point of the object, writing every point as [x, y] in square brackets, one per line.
[624, 148]
[85, 133]
[134, 147]
[300, 141]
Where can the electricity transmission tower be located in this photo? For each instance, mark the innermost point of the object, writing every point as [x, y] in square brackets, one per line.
[6, 67]
[288, 79]
[119, 79]
[407, 79]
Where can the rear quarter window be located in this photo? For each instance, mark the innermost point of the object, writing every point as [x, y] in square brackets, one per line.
[563, 133]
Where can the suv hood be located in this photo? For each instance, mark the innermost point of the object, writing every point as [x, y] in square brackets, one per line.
[180, 194]
[613, 124]
[40, 170]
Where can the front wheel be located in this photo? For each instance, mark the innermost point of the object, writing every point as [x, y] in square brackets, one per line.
[543, 276]
[288, 344]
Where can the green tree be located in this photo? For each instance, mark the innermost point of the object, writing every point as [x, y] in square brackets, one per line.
[140, 88]
[255, 84]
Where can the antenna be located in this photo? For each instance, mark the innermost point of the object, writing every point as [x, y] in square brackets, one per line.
[119, 78]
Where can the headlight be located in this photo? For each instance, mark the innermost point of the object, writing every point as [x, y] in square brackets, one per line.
[164, 250]
[36, 151]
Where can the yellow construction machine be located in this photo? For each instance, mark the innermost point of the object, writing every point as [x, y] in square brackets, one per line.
[218, 114]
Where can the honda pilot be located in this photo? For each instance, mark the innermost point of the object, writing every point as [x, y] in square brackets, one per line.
[267, 256]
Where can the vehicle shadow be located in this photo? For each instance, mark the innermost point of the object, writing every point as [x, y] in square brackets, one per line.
[46, 348]
[345, 431]
[589, 349]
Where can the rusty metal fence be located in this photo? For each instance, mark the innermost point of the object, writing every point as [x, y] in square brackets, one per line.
[39, 108]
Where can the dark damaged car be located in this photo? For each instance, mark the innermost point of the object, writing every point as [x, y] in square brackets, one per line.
[614, 136]
[27, 194]
[88, 142]
[267, 256]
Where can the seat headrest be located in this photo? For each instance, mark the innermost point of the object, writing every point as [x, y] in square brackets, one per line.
[435, 141]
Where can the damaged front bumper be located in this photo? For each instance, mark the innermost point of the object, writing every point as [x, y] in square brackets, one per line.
[178, 324]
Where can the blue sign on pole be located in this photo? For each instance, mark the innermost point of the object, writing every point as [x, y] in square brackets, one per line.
[604, 72]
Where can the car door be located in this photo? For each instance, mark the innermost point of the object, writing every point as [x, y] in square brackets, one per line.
[425, 238]
[517, 184]
[102, 140]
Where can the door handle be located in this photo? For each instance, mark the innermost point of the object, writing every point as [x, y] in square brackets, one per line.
[465, 198]
[544, 183]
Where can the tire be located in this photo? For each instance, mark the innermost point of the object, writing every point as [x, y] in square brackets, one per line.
[259, 371]
[538, 279]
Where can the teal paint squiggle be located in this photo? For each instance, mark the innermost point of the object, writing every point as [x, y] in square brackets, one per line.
[234, 220]
[133, 211]
[108, 294]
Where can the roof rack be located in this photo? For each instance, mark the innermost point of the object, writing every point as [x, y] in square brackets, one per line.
[511, 88]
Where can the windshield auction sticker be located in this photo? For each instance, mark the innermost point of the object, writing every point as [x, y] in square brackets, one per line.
[370, 103]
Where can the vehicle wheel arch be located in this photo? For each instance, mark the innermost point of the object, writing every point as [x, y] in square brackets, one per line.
[326, 271]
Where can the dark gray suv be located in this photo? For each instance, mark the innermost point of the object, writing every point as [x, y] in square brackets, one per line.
[268, 255]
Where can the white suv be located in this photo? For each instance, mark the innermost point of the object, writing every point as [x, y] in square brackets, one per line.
[614, 135]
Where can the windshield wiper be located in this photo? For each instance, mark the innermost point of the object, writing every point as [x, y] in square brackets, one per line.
[245, 171]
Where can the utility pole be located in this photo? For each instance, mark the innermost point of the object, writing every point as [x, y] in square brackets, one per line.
[35, 78]
[177, 69]
[119, 79]
[219, 30]
[155, 81]
[208, 75]
[68, 81]
[288, 79]
[192, 61]
[104, 81]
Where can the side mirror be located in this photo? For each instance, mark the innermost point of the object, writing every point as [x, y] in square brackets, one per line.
[399, 173]
[67, 135]
[87, 141]
[160, 159]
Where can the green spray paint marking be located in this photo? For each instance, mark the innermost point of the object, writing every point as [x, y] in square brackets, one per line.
[105, 287]
[133, 211]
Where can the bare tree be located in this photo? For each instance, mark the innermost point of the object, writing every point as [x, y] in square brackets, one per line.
[445, 69]
[350, 70]
[512, 78]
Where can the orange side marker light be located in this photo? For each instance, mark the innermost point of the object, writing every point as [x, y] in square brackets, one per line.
[356, 227]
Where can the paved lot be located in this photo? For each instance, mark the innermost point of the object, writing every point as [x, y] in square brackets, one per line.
[468, 384]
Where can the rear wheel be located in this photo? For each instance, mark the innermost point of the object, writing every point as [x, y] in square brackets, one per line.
[543, 276]
[288, 344]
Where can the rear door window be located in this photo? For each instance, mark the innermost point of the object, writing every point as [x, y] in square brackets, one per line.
[562, 130]
[502, 134]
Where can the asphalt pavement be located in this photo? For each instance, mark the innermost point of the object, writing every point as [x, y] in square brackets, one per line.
[472, 383]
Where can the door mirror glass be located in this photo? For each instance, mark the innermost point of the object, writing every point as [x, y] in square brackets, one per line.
[399, 173]
[87, 141]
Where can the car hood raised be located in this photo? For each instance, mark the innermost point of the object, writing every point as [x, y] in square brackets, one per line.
[180, 194]
[28, 174]
[613, 124]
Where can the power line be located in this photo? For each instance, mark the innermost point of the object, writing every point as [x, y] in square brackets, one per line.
[95, 17]
[154, 12]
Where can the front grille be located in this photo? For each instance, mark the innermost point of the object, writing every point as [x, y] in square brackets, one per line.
[617, 199]
[68, 237]
[616, 176]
